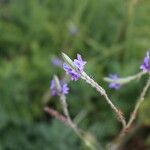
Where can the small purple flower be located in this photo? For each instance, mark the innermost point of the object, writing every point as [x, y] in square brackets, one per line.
[79, 64]
[64, 89]
[146, 63]
[114, 85]
[55, 91]
[57, 62]
[74, 75]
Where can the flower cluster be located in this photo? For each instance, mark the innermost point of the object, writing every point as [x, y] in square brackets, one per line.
[78, 64]
[114, 85]
[146, 63]
[56, 91]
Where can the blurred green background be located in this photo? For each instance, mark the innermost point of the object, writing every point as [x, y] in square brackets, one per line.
[111, 35]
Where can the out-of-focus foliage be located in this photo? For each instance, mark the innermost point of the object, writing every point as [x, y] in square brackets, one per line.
[112, 36]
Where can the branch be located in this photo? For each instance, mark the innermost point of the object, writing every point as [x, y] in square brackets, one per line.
[56, 114]
[139, 102]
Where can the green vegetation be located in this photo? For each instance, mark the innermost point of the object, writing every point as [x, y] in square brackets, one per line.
[112, 37]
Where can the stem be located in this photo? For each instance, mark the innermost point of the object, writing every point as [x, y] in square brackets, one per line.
[120, 138]
[126, 79]
[62, 118]
[80, 133]
[74, 127]
[56, 114]
[95, 85]
[141, 99]
[65, 107]
[66, 113]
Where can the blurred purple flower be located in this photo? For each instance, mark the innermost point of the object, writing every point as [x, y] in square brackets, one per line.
[55, 91]
[74, 75]
[53, 88]
[64, 89]
[79, 64]
[114, 85]
[57, 62]
[146, 63]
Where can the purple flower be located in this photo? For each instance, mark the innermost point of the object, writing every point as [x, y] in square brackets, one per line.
[146, 63]
[64, 89]
[57, 62]
[55, 91]
[79, 64]
[114, 85]
[74, 75]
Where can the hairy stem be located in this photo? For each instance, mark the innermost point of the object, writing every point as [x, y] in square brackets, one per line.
[56, 114]
[120, 138]
[65, 107]
[81, 134]
[95, 85]
[139, 102]
[126, 79]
